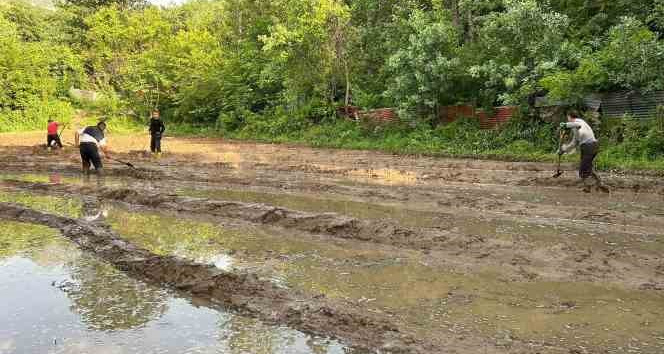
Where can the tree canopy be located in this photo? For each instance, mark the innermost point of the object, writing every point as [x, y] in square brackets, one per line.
[227, 62]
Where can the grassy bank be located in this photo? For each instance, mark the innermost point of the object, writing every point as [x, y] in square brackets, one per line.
[518, 141]
[626, 144]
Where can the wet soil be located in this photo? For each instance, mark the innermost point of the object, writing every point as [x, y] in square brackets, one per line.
[243, 292]
[525, 251]
[427, 298]
[58, 299]
[457, 254]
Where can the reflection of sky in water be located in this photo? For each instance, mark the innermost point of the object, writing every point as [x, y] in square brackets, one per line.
[54, 299]
[222, 261]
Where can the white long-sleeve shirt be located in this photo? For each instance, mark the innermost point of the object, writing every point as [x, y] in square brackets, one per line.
[92, 135]
[582, 133]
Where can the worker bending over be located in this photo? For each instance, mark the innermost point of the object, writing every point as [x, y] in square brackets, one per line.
[90, 140]
[52, 134]
[583, 138]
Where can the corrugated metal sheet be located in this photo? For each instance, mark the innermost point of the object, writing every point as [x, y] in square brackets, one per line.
[616, 105]
[501, 116]
[592, 102]
[497, 117]
[541, 102]
[381, 115]
[449, 114]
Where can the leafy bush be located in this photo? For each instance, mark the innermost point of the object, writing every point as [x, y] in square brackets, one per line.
[35, 115]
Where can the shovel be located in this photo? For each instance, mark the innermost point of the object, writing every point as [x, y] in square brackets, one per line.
[116, 160]
[123, 162]
[561, 136]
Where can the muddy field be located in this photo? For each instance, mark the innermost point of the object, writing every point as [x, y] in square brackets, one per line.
[381, 253]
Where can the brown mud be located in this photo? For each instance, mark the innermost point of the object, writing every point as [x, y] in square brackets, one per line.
[244, 293]
[332, 224]
[528, 254]
[540, 251]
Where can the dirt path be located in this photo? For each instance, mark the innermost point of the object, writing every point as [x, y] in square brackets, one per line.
[505, 222]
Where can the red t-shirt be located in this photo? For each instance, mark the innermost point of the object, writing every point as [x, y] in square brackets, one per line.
[52, 128]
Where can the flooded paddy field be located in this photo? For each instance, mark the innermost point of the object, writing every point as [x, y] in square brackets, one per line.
[58, 299]
[324, 251]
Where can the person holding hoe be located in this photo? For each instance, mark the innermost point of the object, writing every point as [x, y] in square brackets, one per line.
[583, 138]
[52, 134]
[90, 140]
[157, 129]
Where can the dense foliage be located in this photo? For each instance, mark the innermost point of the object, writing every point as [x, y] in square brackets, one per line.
[279, 69]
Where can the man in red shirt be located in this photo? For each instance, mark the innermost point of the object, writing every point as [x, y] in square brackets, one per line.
[53, 135]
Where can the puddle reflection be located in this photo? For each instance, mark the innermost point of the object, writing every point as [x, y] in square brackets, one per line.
[57, 299]
[431, 300]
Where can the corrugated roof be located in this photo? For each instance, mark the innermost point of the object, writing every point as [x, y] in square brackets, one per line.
[593, 102]
[616, 105]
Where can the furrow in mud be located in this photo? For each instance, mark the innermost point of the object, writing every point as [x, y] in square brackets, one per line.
[559, 259]
[331, 224]
[242, 292]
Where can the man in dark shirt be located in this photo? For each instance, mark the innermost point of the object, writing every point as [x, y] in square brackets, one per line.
[157, 129]
[90, 140]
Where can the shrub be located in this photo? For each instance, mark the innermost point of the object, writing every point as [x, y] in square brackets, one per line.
[35, 115]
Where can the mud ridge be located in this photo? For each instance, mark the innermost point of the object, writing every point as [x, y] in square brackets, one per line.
[331, 224]
[242, 292]
[140, 173]
[464, 252]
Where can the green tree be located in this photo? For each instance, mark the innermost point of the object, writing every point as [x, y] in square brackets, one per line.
[590, 19]
[33, 75]
[629, 59]
[632, 57]
[427, 71]
[301, 43]
[516, 48]
[97, 4]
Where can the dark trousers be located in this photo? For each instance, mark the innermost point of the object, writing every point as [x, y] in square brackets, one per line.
[588, 153]
[50, 138]
[90, 156]
[155, 143]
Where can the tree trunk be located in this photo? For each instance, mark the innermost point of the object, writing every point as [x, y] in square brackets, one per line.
[470, 35]
[454, 8]
[347, 74]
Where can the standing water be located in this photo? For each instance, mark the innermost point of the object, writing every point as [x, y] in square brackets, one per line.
[57, 299]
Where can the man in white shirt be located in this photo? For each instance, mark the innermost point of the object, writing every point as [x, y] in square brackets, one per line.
[583, 137]
[90, 140]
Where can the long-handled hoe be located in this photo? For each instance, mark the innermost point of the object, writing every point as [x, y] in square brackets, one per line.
[62, 131]
[561, 136]
[124, 163]
[129, 164]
